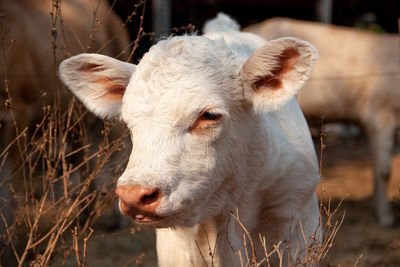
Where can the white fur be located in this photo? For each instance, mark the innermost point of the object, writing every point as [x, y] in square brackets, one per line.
[261, 163]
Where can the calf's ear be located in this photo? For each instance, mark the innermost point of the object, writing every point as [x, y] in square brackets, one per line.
[98, 81]
[276, 72]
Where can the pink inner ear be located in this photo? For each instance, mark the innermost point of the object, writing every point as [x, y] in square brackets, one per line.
[286, 61]
[91, 67]
[113, 89]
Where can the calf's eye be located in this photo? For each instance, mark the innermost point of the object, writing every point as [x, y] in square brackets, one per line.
[205, 120]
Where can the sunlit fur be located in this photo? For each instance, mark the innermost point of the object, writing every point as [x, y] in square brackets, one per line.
[258, 160]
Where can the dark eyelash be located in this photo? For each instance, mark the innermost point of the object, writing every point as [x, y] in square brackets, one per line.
[210, 116]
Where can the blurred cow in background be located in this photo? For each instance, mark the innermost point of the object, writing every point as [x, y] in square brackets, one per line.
[82, 26]
[356, 79]
[36, 36]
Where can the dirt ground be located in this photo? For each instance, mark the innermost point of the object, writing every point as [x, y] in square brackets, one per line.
[346, 174]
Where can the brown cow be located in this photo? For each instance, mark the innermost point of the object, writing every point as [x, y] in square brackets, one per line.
[29, 57]
[356, 79]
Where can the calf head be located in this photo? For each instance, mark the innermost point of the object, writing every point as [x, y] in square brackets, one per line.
[191, 106]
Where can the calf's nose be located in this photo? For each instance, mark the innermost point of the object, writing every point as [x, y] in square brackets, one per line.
[135, 199]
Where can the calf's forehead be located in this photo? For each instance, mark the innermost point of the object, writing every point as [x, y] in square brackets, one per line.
[180, 75]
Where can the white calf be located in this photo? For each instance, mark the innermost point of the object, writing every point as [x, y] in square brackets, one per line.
[215, 127]
[356, 79]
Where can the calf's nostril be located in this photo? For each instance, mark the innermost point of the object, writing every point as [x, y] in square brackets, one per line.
[136, 200]
[150, 198]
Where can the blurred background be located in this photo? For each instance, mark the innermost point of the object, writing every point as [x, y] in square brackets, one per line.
[380, 16]
[58, 164]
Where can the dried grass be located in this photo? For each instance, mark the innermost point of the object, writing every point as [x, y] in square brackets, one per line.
[316, 249]
[54, 185]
